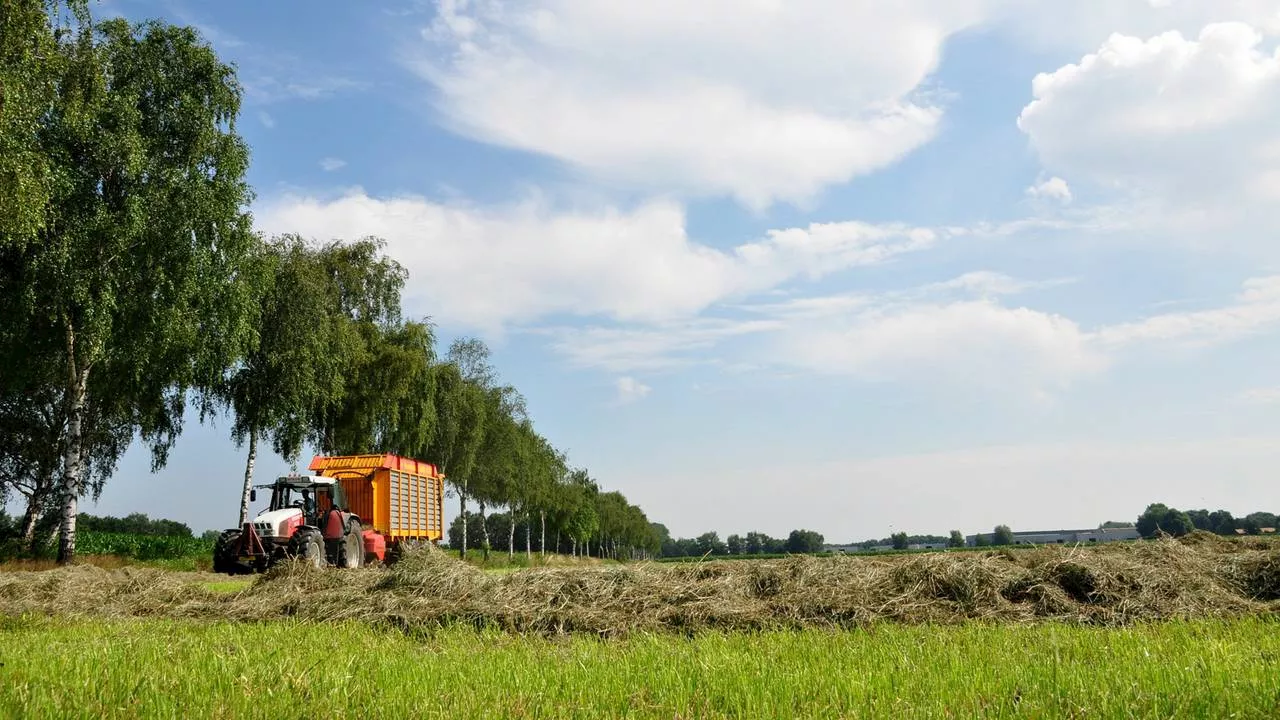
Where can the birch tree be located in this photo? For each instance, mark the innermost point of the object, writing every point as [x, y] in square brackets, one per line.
[138, 273]
[292, 367]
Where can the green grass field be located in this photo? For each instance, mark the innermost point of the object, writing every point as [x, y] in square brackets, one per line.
[279, 669]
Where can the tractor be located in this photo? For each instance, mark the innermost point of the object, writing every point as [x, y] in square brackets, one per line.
[308, 518]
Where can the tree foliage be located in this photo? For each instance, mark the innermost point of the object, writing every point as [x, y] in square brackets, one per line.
[1158, 518]
[136, 283]
[1002, 535]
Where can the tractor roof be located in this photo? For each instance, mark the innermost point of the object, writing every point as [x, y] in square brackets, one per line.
[295, 480]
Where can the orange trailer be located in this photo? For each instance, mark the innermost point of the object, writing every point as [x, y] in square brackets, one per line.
[400, 498]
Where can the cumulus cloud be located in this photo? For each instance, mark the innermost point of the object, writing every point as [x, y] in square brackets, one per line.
[1155, 117]
[1055, 188]
[487, 267]
[969, 342]
[330, 164]
[763, 101]
[983, 342]
[631, 390]
[1081, 24]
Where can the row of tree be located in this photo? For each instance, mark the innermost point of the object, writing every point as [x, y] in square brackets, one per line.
[1160, 518]
[132, 284]
[753, 543]
[131, 524]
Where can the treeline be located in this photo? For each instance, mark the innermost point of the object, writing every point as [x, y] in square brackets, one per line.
[624, 533]
[132, 524]
[134, 285]
[753, 543]
[1158, 518]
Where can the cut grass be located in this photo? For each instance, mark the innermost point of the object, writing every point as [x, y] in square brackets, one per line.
[1193, 578]
[291, 669]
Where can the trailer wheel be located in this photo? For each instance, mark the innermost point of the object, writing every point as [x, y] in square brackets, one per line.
[352, 553]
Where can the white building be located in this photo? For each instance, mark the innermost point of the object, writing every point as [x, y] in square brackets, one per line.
[1064, 537]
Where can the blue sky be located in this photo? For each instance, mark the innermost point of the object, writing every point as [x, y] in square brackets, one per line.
[850, 266]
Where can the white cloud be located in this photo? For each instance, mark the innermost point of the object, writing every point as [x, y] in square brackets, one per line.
[1055, 188]
[487, 267]
[1187, 121]
[330, 164]
[631, 390]
[1256, 309]
[924, 336]
[1082, 24]
[764, 101]
[1260, 396]
[267, 121]
[972, 343]
[983, 343]
[291, 84]
[651, 348]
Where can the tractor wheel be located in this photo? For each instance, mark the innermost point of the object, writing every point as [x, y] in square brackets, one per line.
[305, 544]
[224, 553]
[351, 554]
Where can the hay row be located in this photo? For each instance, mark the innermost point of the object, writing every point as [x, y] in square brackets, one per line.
[1195, 577]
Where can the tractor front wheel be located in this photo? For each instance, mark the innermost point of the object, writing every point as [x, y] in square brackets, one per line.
[225, 559]
[306, 545]
[352, 551]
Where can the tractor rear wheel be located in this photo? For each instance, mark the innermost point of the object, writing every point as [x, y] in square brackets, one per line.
[225, 559]
[352, 551]
[305, 545]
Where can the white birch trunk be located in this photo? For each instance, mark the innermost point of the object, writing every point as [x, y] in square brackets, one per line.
[511, 533]
[248, 476]
[73, 458]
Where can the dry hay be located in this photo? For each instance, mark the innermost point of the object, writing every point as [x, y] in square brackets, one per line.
[1193, 577]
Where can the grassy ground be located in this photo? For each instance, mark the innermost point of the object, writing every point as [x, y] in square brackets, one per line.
[112, 562]
[283, 669]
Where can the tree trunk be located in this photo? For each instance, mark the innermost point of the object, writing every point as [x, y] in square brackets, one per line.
[248, 476]
[73, 457]
[462, 513]
[573, 547]
[528, 548]
[30, 517]
[511, 533]
[542, 539]
[484, 532]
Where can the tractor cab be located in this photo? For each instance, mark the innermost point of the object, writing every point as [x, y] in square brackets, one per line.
[312, 494]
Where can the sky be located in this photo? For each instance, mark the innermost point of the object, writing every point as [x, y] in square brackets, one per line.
[854, 266]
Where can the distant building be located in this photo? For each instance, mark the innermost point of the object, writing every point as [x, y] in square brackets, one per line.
[1064, 537]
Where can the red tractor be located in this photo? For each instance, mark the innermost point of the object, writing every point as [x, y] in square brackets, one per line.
[308, 518]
